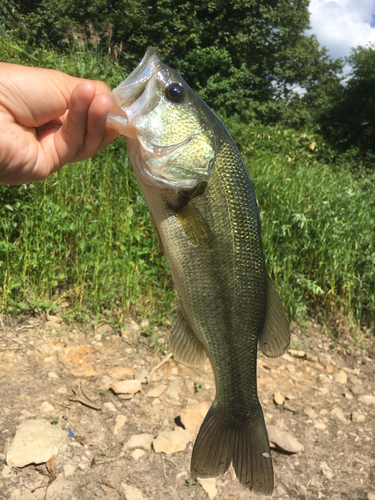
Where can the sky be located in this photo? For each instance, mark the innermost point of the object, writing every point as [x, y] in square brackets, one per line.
[342, 24]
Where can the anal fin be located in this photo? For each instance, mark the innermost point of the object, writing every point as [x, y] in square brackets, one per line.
[185, 346]
[275, 336]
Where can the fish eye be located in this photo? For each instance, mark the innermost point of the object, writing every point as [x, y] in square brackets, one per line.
[175, 92]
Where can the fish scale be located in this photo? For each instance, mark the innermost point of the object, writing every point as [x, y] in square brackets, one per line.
[205, 214]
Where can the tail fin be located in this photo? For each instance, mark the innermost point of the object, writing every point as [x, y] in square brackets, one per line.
[221, 442]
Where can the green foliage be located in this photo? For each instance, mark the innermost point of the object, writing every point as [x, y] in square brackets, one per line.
[242, 57]
[317, 222]
[84, 235]
[349, 119]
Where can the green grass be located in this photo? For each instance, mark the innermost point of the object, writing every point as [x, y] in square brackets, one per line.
[318, 223]
[84, 237]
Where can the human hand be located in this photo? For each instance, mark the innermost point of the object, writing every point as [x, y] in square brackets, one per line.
[48, 119]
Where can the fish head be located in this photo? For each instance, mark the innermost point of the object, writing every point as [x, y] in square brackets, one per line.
[170, 131]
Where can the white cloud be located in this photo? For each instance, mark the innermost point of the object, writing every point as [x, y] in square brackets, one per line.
[342, 24]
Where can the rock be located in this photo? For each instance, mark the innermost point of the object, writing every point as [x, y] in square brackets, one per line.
[171, 442]
[209, 486]
[357, 390]
[47, 407]
[357, 417]
[126, 387]
[120, 372]
[54, 319]
[326, 470]
[310, 413]
[157, 391]
[348, 396]
[98, 337]
[339, 414]
[311, 358]
[291, 368]
[296, 353]
[131, 493]
[368, 399]
[142, 441]
[6, 472]
[283, 441]
[69, 470]
[141, 374]
[119, 424]
[371, 496]
[52, 375]
[355, 380]
[278, 399]
[193, 416]
[110, 407]
[137, 453]
[340, 377]
[320, 426]
[35, 442]
[173, 390]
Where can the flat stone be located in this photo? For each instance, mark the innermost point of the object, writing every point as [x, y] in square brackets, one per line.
[141, 374]
[320, 426]
[131, 493]
[69, 470]
[296, 353]
[368, 399]
[52, 375]
[110, 407]
[119, 424]
[137, 453]
[35, 442]
[357, 390]
[339, 414]
[193, 416]
[340, 377]
[120, 372]
[312, 358]
[126, 387]
[47, 407]
[157, 391]
[310, 413]
[283, 441]
[173, 390]
[173, 441]
[326, 470]
[278, 399]
[358, 417]
[142, 441]
[209, 486]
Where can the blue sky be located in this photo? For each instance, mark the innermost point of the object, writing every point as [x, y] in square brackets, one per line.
[342, 24]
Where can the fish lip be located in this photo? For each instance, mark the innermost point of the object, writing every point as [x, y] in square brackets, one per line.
[130, 89]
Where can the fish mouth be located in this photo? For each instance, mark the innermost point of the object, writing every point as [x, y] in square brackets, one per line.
[129, 91]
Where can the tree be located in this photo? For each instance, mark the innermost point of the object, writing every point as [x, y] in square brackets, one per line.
[241, 56]
[349, 120]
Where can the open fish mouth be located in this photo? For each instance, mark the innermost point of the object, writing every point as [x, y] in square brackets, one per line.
[129, 91]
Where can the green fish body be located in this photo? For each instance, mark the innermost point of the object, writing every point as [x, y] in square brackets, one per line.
[205, 214]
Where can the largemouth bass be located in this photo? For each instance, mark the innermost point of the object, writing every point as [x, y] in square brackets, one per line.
[206, 218]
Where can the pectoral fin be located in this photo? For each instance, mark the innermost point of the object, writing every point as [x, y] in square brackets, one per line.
[275, 336]
[195, 226]
[184, 344]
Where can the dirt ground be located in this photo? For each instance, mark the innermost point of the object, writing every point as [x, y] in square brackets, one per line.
[329, 412]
